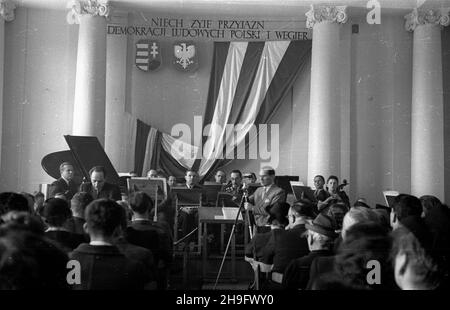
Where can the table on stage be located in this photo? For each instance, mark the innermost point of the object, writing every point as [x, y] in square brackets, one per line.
[215, 215]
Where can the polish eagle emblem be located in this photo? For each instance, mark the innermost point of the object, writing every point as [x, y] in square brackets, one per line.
[185, 56]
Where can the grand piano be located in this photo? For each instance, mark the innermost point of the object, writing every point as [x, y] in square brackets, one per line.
[84, 153]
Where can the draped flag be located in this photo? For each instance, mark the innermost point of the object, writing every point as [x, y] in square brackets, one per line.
[248, 82]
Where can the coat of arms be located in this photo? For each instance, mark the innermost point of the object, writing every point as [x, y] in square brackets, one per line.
[148, 55]
[185, 56]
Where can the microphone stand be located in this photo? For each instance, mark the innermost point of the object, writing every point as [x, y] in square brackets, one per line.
[244, 196]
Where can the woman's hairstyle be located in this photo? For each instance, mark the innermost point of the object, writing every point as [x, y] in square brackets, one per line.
[364, 242]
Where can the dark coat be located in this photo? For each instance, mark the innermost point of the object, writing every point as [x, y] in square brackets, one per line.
[137, 253]
[109, 191]
[320, 267]
[75, 225]
[284, 246]
[61, 186]
[66, 240]
[255, 248]
[296, 275]
[106, 268]
[151, 236]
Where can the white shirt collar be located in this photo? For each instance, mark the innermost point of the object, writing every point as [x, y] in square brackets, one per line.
[56, 229]
[99, 243]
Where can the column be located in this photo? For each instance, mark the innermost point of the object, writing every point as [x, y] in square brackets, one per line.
[6, 14]
[90, 83]
[427, 123]
[324, 113]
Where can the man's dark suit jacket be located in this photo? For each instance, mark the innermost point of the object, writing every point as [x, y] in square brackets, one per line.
[66, 240]
[61, 186]
[255, 247]
[75, 225]
[284, 246]
[137, 253]
[109, 191]
[296, 274]
[148, 235]
[106, 268]
[319, 267]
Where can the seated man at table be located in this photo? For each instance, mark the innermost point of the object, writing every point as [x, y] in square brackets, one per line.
[188, 215]
[264, 198]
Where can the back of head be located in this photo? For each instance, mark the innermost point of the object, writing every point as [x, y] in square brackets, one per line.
[56, 212]
[337, 211]
[29, 261]
[364, 242]
[407, 205]
[10, 201]
[358, 215]
[103, 216]
[424, 271]
[430, 202]
[140, 202]
[80, 201]
[278, 212]
[23, 221]
[303, 208]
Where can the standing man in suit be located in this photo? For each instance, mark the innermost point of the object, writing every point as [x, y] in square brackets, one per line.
[265, 197]
[65, 184]
[98, 187]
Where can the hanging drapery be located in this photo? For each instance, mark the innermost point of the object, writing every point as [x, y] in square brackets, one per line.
[248, 82]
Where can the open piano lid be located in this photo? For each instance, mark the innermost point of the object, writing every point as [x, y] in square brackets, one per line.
[85, 153]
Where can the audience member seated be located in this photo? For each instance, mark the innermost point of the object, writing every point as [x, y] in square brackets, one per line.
[23, 221]
[134, 252]
[57, 213]
[10, 201]
[323, 265]
[153, 236]
[286, 245]
[39, 199]
[437, 219]
[29, 261]
[278, 221]
[320, 237]
[365, 242]
[103, 266]
[414, 268]
[99, 188]
[78, 205]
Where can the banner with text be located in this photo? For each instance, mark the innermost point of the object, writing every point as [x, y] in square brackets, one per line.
[214, 29]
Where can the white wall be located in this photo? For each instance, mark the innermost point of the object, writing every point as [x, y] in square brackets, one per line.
[39, 72]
